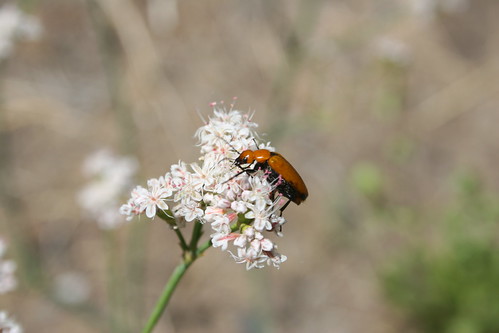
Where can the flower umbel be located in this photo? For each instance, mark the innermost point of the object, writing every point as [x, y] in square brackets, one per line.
[238, 208]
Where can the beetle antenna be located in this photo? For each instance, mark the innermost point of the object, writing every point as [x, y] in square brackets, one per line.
[224, 159]
[228, 143]
[236, 175]
[256, 144]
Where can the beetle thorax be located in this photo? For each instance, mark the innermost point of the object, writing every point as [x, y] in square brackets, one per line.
[261, 155]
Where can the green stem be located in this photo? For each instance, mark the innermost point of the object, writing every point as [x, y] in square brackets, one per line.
[197, 231]
[135, 266]
[189, 257]
[183, 243]
[167, 217]
[166, 295]
[114, 287]
[177, 274]
[203, 248]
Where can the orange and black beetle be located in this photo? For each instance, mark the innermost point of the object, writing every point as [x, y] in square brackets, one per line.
[281, 172]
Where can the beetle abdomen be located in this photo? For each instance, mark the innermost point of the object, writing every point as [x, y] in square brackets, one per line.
[293, 187]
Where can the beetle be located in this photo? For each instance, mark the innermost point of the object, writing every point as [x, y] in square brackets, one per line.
[279, 171]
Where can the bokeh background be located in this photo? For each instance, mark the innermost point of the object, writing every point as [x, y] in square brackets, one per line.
[389, 110]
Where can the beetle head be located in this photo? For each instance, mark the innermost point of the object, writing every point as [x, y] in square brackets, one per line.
[246, 157]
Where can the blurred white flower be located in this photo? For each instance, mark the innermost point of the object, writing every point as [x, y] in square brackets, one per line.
[8, 325]
[391, 50]
[71, 288]
[211, 193]
[8, 281]
[14, 24]
[110, 177]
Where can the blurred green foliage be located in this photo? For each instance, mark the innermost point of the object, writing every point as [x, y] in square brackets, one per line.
[453, 286]
[367, 179]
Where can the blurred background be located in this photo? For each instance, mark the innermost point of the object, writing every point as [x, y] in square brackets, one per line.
[388, 109]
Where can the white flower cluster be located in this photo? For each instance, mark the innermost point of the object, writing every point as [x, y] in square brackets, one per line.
[8, 281]
[111, 176]
[238, 208]
[15, 24]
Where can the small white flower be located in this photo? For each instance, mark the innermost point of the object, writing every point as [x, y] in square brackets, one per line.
[276, 259]
[262, 244]
[245, 237]
[221, 224]
[222, 240]
[203, 177]
[250, 257]
[277, 223]
[211, 213]
[189, 191]
[239, 206]
[259, 191]
[178, 174]
[258, 213]
[155, 197]
[190, 211]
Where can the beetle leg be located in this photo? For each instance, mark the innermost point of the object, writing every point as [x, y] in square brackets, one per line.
[248, 170]
[237, 174]
[272, 196]
[284, 207]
